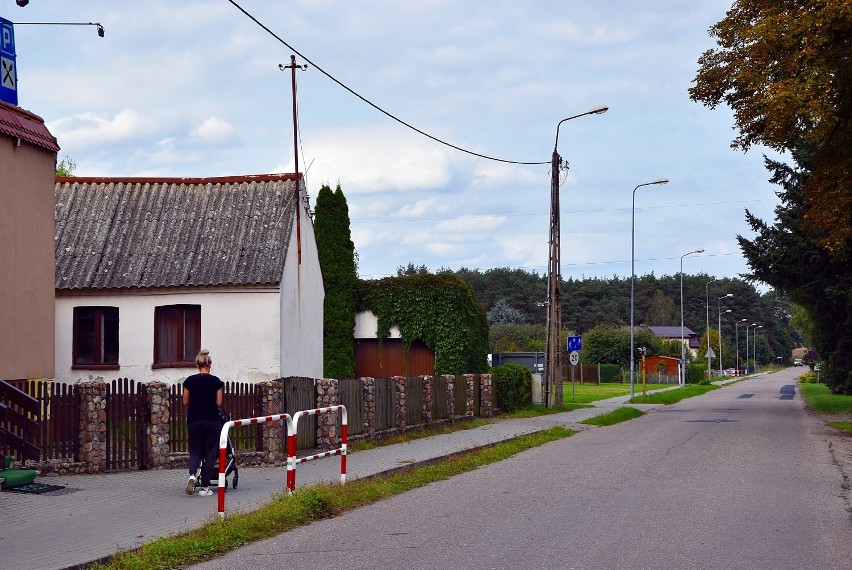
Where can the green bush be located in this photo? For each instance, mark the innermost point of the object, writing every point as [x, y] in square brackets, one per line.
[808, 378]
[610, 373]
[514, 386]
[696, 373]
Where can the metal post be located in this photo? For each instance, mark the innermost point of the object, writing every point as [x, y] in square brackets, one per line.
[682, 375]
[707, 329]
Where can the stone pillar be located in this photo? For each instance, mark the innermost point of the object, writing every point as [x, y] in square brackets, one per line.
[426, 416]
[451, 395]
[93, 426]
[159, 443]
[399, 385]
[486, 396]
[469, 380]
[272, 433]
[369, 406]
[327, 395]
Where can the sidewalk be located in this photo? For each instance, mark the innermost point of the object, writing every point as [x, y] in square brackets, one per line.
[96, 515]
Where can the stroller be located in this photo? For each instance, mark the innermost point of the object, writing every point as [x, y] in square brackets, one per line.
[230, 461]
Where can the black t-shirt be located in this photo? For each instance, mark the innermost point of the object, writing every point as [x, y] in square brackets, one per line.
[202, 397]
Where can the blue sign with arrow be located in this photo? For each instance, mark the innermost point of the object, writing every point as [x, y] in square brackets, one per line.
[8, 70]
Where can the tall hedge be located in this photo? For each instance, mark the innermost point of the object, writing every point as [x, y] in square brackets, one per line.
[513, 384]
[439, 310]
[337, 262]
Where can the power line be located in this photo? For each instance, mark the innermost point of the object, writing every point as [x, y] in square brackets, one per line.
[569, 212]
[370, 103]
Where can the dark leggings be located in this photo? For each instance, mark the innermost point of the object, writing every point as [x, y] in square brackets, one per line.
[203, 443]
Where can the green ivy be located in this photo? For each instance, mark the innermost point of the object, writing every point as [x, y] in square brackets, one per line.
[439, 310]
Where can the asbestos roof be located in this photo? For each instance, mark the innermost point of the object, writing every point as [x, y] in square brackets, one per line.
[170, 232]
[20, 123]
[671, 332]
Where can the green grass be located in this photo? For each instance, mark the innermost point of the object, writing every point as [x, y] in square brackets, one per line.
[286, 512]
[614, 417]
[533, 410]
[819, 398]
[842, 426]
[587, 393]
[674, 396]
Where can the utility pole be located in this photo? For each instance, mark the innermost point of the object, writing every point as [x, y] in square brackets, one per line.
[553, 390]
[293, 67]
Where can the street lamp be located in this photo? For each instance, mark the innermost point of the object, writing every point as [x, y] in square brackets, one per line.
[748, 327]
[682, 379]
[754, 340]
[707, 297]
[719, 302]
[96, 24]
[633, 273]
[737, 336]
[553, 356]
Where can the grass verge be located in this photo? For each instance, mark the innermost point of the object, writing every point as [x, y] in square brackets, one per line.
[533, 410]
[842, 426]
[286, 512]
[587, 393]
[614, 417]
[674, 396]
[819, 398]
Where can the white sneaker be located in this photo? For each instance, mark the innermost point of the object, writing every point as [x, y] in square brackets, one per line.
[204, 491]
[190, 485]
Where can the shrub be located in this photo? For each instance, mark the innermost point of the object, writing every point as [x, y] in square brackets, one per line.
[513, 385]
[808, 378]
[696, 373]
[610, 373]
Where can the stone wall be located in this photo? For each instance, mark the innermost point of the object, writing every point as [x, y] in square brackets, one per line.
[93, 414]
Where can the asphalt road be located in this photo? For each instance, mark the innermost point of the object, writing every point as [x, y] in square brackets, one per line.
[741, 477]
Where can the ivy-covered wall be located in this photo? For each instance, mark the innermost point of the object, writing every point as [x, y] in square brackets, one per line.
[440, 310]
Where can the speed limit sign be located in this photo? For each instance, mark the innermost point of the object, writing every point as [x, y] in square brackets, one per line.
[574, 358]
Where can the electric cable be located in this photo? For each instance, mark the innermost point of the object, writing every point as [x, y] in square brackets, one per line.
[370, 103]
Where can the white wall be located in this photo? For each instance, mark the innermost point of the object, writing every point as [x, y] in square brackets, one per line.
[302, 297]
[239, 328]
[367, 326]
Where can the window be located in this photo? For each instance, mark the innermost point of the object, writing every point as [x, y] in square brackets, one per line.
[177, 335]
[95, 338]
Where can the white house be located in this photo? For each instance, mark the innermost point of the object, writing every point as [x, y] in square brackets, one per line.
[150, 270]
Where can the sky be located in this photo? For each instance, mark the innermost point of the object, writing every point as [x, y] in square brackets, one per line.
[194, 89]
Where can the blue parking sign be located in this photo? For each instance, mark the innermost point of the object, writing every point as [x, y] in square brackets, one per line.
[575, 343]
[8, 71]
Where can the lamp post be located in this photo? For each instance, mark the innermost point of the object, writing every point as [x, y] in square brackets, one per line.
[737, 336]
[748, 327]
[707, 297]
[719, 302]
[96, 24]
[633, 273]
[754, 340]
[553, 350]
[682, 379]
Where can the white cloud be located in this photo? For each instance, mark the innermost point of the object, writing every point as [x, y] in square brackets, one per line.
[427, 207]
[214, 129]
[471, 224]
[92, 129]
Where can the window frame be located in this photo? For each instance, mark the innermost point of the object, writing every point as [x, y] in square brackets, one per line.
[99, 343]
[188, 360]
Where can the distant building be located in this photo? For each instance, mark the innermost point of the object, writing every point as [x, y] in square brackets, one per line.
[691, 339]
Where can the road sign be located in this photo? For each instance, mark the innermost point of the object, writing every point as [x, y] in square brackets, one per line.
[8, 71]
[710, 353]
[575, 343]
[574, 358]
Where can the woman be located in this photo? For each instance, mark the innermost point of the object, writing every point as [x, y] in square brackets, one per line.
[202, 396]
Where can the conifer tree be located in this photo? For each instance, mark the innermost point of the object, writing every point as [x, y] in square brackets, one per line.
[337, 261]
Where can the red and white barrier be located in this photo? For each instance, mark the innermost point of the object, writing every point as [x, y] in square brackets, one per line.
[292, 425]
[291, 445]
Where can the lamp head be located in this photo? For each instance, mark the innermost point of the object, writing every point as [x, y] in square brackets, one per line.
[743, 320]
[22, 3]
[660, 181]
[727, 311]
[699, 250]
[100, 29]
[599, 110]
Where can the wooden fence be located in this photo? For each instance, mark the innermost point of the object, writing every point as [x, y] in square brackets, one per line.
[351, 395]
[39, 420]
[126, 425]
